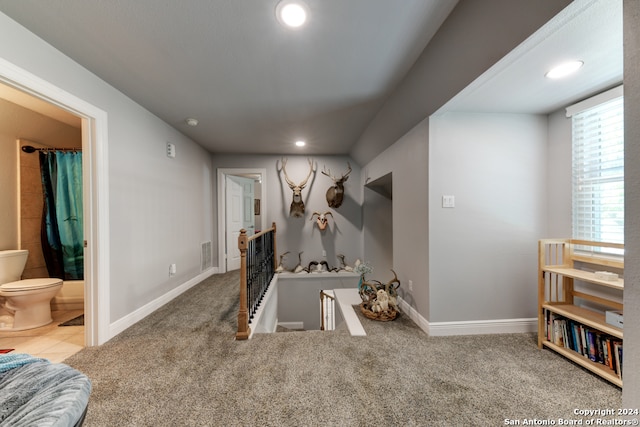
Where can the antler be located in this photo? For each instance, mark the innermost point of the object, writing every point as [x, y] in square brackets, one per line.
[327, 172]
[286, 177]
[314, 214]
[303, 183]
[388, 288]
[348, 172]
[292, 184]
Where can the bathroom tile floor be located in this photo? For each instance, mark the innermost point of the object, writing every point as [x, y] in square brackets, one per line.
[50, 341]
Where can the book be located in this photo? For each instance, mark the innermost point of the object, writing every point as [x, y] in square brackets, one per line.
[599, 349]
[583, 339]
[557, 333]
[610, 355]
[592, 345]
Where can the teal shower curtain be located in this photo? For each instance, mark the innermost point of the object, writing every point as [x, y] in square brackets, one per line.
[62, 233]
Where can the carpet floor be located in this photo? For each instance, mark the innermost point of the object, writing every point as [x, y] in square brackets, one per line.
[181, 366]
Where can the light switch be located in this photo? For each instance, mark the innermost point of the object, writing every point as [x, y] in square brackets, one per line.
[448, 201]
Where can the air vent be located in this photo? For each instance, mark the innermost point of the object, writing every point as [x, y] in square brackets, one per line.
[205, 258]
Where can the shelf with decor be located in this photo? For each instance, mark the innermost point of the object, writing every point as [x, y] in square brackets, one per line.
[580, 284]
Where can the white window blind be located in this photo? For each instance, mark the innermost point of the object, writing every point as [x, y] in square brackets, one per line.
[598, 172]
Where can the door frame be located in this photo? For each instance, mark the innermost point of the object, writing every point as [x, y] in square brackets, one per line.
[95, 193]
[222, 205]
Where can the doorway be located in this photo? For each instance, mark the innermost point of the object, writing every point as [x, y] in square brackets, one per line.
[95, 192]
[239, 215]
[241, 196]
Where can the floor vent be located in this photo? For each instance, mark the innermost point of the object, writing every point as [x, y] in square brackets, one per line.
[205, 257]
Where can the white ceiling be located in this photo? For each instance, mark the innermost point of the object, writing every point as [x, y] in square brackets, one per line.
[587, 30]
[256, 87]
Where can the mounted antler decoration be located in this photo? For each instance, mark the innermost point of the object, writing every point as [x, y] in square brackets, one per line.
[380, 301]
[322, 219]
[335, 194]
[343, 264]
[297, 205]
[281, 266]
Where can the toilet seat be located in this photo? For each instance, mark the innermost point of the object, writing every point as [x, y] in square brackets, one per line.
[30, 285]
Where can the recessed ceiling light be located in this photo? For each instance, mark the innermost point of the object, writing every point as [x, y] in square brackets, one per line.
[293, 14]
[564, 69]
[300, 143]
[192, 122]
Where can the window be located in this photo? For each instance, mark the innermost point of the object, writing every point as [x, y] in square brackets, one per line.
[598, 167]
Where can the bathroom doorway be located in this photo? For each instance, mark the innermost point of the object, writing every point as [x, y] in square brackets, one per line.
[95, 192]
[34, 128]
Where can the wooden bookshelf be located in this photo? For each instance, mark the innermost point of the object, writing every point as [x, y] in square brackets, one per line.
[562, 263]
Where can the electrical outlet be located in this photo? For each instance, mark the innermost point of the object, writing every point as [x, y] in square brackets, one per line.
[172, 270]
[411, 285]
[324, 253]
[448, 201]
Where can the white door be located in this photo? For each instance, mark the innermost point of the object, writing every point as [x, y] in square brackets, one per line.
[239, 214]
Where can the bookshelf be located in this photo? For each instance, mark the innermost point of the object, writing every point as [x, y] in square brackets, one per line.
[572, 300]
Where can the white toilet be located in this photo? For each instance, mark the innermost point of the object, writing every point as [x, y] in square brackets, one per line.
[24, 304]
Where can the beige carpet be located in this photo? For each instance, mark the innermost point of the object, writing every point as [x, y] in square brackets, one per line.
[181, 367]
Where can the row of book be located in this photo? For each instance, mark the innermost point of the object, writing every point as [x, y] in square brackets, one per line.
[588, 342]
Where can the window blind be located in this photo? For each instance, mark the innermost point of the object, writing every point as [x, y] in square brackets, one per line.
[598, 172]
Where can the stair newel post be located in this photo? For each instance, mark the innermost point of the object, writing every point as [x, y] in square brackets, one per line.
[243, 314]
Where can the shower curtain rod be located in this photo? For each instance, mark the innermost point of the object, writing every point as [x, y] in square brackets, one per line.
[30, 149]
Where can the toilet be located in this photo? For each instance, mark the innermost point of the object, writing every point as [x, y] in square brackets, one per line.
[24, 304]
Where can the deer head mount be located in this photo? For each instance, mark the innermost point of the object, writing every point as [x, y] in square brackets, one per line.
[322, 219]
[335, 194]
[297, 205]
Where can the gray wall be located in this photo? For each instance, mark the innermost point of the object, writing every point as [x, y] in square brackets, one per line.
[344, 232]
[483, 253]
[160, 208]
[408, 161]
[631, 24]
[559, 176]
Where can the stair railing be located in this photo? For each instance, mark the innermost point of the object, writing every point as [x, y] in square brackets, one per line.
[327, 310]
[257, 268]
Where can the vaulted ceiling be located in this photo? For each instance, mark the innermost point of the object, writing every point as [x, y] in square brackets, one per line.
[255, 86]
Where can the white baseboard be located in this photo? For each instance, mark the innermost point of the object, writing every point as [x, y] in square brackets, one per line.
[468, 327]
[413, 315]
[123, 323]
[480, 327]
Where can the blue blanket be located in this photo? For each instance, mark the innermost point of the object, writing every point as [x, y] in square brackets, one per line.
[15, 360]
[34, 392]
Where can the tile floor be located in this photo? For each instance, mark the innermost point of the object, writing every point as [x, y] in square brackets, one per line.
[52, 342]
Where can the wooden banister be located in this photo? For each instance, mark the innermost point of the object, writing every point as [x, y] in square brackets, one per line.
[243, 313]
